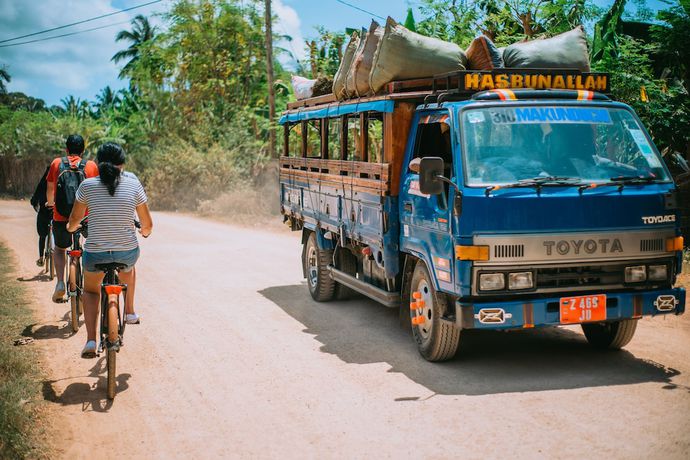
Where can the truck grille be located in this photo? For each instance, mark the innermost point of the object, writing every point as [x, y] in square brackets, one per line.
[580, 276]
[654, 245]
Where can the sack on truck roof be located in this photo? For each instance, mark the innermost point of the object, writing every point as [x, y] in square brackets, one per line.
[483, 55]
[565, 51]
[350, 90]
[341, 75]
[402, 54]
[358, 76]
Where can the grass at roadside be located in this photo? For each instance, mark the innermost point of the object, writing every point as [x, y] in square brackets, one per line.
[19, 377]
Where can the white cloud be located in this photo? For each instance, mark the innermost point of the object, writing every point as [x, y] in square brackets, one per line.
[288, 23]
[78, 64]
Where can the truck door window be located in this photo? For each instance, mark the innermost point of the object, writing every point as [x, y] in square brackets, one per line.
[375, 137]
[313, 138]
[433, 140]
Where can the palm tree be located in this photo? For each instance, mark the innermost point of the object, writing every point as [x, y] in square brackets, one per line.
[4, 78]
[141, 32]
[106, 100]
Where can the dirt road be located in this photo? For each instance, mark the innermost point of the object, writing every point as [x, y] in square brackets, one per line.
[234, 359]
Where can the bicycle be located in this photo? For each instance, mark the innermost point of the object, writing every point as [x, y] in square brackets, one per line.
[75, 278]
[112, 319]
[48, 253]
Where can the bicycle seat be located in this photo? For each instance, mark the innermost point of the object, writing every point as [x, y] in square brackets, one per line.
[111, 266]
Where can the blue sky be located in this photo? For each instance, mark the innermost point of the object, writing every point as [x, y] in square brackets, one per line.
[80, 65]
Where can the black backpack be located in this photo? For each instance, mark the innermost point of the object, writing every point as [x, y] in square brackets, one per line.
[67, 184]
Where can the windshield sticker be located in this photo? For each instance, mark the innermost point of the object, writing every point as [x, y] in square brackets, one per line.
[551, 115]
[476, 116]
[646, 150]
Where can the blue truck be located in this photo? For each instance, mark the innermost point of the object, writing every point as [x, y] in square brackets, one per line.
[507, 199]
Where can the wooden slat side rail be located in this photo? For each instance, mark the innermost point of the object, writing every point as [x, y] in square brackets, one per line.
[372, 186]
[337, 167]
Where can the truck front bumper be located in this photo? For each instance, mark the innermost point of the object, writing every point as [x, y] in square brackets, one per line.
[514, 314]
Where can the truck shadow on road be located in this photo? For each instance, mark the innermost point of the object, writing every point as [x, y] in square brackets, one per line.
[361, 331]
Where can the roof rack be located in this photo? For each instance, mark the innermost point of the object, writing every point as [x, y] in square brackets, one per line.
[486, 85]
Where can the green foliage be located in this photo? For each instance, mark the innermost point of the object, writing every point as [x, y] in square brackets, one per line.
[325, 53]
[19, 390]
[409, 21]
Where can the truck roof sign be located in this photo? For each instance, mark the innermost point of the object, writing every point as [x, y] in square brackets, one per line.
[471, 81]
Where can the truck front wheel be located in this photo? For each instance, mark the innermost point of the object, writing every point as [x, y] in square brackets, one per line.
[616, 334]
[437, 338]
[316, 261]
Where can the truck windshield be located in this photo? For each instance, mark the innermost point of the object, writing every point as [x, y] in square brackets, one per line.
[507, 145]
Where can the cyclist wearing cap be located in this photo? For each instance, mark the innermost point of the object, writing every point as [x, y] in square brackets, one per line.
[62, 238]
[112, 199]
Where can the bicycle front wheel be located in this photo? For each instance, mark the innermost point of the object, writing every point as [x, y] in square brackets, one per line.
[73, 297]
[50, 265]
[110, 356]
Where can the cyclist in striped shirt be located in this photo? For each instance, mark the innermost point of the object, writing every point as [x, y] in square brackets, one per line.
[112, 198]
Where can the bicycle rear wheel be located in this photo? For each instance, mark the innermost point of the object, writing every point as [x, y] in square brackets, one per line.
[113, 325]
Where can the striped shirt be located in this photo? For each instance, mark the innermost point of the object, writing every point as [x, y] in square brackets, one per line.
[111, 218]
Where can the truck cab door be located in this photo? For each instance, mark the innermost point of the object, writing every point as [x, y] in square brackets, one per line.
[426, 220]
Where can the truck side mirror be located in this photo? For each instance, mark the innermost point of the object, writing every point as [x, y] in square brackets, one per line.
[429, 169]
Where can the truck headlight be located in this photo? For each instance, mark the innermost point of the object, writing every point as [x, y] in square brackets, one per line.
[492, 282]
[635, 274]
[657, 272]
[520, 280]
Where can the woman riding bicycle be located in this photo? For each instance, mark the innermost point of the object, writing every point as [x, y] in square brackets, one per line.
[111, 198]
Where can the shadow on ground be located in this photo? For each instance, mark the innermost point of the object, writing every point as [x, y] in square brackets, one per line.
[488, 362]
[89, 396]
[51, 331]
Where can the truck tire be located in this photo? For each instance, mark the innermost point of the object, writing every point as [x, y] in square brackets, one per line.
[437, 338]
[345, 262]
[613, 335]
[316, 262]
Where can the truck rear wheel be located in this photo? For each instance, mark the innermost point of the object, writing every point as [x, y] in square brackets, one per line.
[614, 335]
[316, 261]
[437, 338]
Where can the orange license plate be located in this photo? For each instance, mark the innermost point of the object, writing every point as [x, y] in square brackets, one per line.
[583, 309]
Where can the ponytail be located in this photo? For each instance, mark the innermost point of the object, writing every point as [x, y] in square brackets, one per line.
[109, 175]
[110, 156]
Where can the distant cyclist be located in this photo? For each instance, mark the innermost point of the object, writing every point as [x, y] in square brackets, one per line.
[112, 199]
[43, 216]
[64, 176]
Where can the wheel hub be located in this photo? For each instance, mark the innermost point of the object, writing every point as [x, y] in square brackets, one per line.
[426, 311]
[312, 267]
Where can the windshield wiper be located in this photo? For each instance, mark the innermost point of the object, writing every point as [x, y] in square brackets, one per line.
[634, 179]
[537, 182]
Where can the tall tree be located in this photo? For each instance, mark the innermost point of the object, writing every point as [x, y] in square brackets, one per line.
[269, 75]
[4, 78]
[141, 32]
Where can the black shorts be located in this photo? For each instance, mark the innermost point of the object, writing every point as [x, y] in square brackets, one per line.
[63, 238]
[43, 219]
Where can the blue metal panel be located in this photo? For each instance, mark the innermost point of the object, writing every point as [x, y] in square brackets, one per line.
[336, 110]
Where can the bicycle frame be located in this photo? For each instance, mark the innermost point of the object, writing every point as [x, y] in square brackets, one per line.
[74, 258]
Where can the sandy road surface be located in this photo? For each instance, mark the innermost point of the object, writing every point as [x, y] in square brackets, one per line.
[234, 359]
